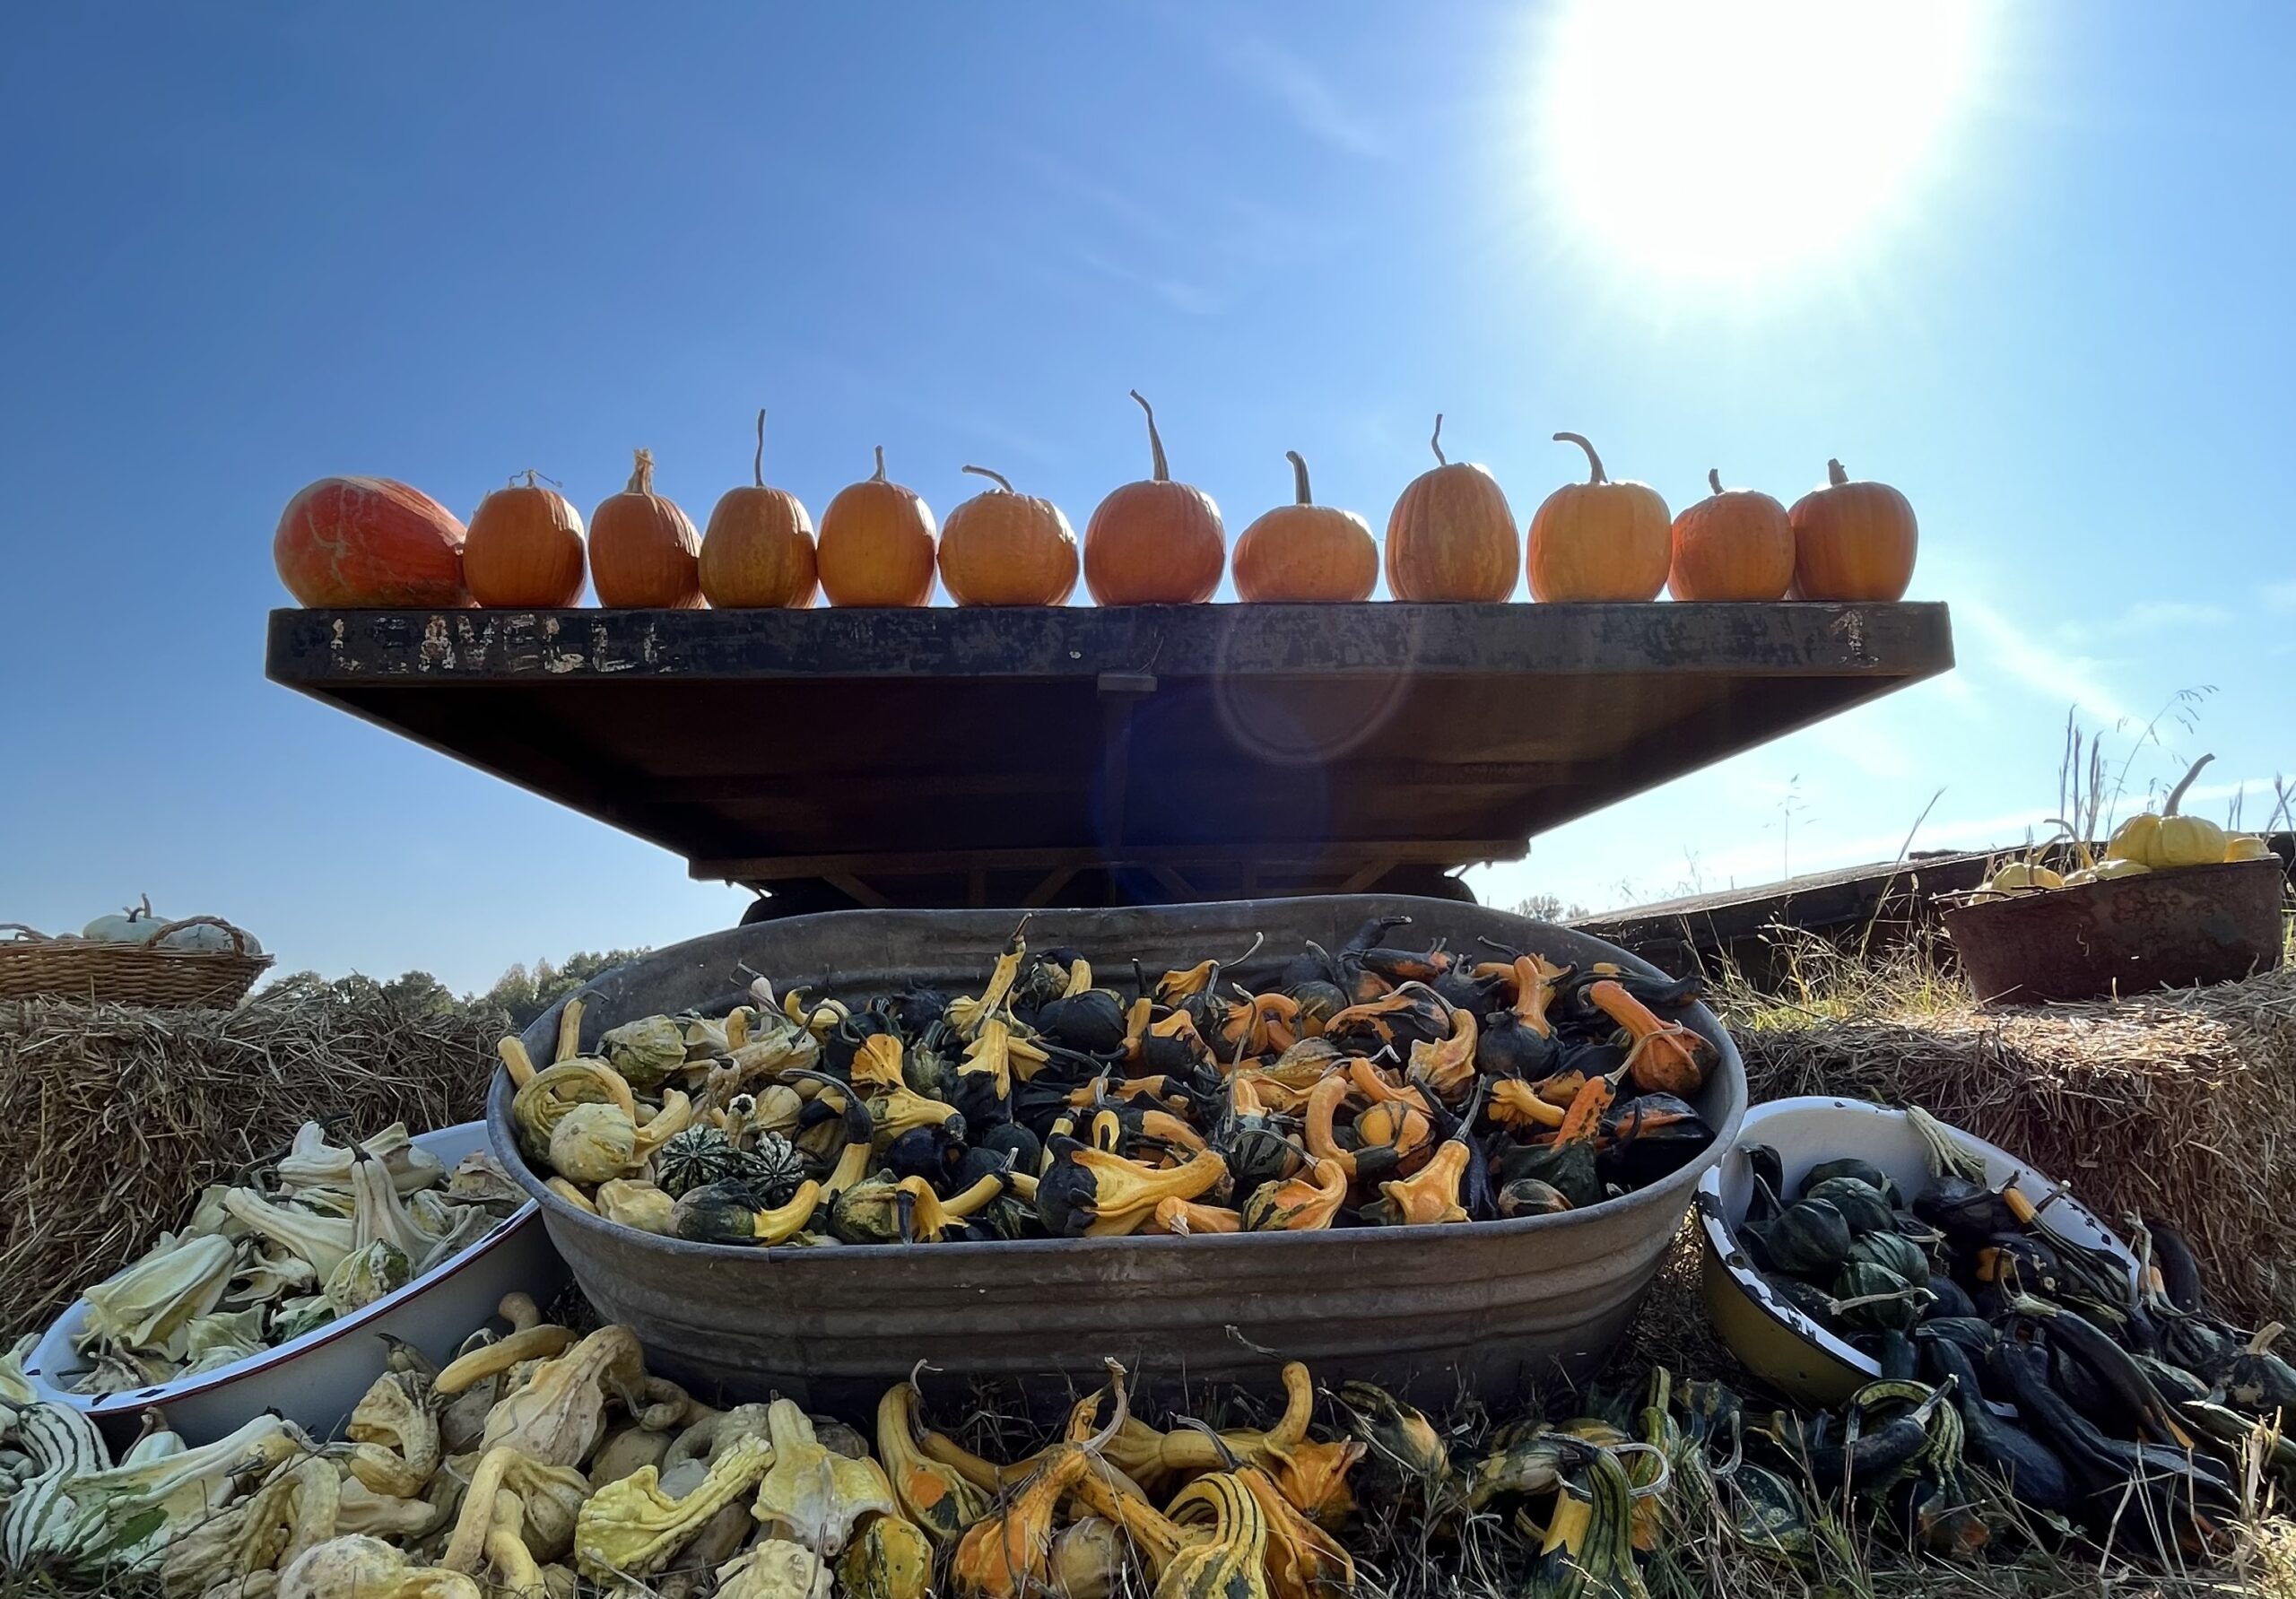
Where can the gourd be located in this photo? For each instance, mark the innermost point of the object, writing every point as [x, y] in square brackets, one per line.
[644, 550]
[1600, 539]
[1154, 542]
[206, 936]
[876, 544]
[1737, 545]
[1232, 1563]
[891, 1559]
[1865, 1208]
[2169, 839]
[1000, 548]
[524, 548]
[1852, 540]
[2016, 877]
[369, 542]
[1891, 1251]
[1303, 1203]
[938, 1498]
[1089, 1193]
[135, 924]
[1451, 536]
[2246, 846]
[758, 551]
[811, 1495]
[1306, 552]
[1666, 1057]
[1807, 1238]
[631, 1528]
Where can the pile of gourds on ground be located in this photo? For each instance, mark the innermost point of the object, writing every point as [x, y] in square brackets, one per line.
[2151, 841]
[2100, 1396]
[541, 1459]
[347, 542]
[324, 1231]
[1380, 1086]
[539, 1456]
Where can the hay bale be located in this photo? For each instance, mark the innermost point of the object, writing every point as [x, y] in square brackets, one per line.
[2181, 1105]
[119, 1115]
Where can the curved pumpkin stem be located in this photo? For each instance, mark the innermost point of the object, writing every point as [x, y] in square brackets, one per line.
[1714, 476]
[641, 476]
[2177, 793]
[1299, 477]
[757, 461]
[1163, 473]
[1594, 461]
[997, 478]
[878, 476]
[1436, 443]
[1835, 476]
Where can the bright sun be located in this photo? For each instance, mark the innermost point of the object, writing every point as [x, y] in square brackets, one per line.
[1738, 138]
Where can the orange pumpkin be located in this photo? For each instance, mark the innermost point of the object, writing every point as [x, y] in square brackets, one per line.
[1307, 551]
[524, 548]
[1156, 542]
[1600, 539]
[758, 553]
[1737, 545]
[1852, 540]
[643, 551]
[1001, 548]
[354, 542]
[876, 544]
[1451, 536]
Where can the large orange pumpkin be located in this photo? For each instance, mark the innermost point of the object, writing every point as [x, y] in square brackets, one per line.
[1852, 540]
[758, 552]
[1155, 541]
[350, 542]
[1306, 551]
[1600, 539]
[524, 548]
[1000, 548]
[643, 548]
[1737, 545]
[1451, 536]
[876, 544]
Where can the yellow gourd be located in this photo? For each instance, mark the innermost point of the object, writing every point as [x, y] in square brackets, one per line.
[2169, 839]
[2246, 846]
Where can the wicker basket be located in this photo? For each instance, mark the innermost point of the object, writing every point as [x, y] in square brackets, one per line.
[33, 965]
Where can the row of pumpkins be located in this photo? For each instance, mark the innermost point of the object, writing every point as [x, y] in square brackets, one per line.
[354, 542]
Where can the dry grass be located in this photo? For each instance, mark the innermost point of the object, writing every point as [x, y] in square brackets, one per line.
[2181, 1105]
[119, 1115]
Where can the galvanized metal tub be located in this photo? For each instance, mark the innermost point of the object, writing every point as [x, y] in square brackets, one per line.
[2167, 929]
[1498, 1305]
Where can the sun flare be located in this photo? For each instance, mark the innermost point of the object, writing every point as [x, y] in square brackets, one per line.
[1738, 138]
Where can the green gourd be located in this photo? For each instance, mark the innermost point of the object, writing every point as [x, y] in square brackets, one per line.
[1809, 1238]
[1864, 1206]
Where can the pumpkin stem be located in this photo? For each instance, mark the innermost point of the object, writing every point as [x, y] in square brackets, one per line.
[1163, 473]
[1436, 443]
[2178, 793]
[879, 475]
[996, 477]
[757, 461]
[641, 476]
[1714, 476]
[1594, 461]
[1835, 476]
[1299, 476]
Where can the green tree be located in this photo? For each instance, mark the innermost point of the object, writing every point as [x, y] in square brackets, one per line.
[526, 994]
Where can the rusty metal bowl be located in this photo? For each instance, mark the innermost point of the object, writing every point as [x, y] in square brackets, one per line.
[1497, 1304]
[2170, 929]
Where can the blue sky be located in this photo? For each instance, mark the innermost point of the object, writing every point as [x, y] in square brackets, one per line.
[2043, 289]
